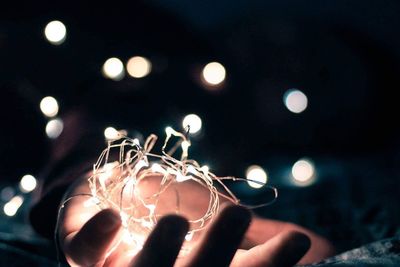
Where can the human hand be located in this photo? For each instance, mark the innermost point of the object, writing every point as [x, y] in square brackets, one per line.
[86, 237]
[261, 230]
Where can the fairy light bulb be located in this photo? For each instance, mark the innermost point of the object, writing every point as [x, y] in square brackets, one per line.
[55, 32]
[49, 106]
[113, 69]
[256, 176]
[192, 122]
[214, 73]
[138, 67]
[303, 172]
[295, 100]
[11, 207]
[54, 128]
[28, 183]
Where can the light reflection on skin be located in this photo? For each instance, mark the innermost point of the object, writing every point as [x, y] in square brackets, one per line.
[193, 201]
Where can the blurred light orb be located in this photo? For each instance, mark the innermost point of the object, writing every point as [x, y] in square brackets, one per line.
[28, 183]
[110, 133]
[54, 128]
[303, 171]
[295, 100]
[12, 206]
[138, 67]
[214, 73]
[55, 32]
[49, 106]
[113, 69]
[192, 121]
[256, 176]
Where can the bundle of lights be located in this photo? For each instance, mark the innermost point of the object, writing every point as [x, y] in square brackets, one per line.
[115, 183]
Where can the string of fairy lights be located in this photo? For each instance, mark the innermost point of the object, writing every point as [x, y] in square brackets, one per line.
[212, 76]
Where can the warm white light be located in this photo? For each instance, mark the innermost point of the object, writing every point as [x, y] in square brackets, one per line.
[136, 142]
[12, 206]
[110, 133]
[193, 121]
[49, 106]
[138, 67]
[205, 168]
[107, 173]
[303, 171]
[55, 32]
[185, 145]
[181, 178]
[256, 176]
[28, 183]
[54, 128]
[169, 131]
[214, 73]
[295, 100]
[189, 236]
[113, 69]
[157, 168]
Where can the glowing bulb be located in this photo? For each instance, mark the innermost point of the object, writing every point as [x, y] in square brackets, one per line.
[113, 69]
[189, 236]
[141, 164]
[110, 133]
[169, 131]
[295, 100]
[91, 202]
[28, 183]
[12, 206]
[185, 145]
[181, 178]
[106, 173]
[191, 169]
[136, 142]
[138, 67]
[157, 168]
[49, 106]
[303, 171]
[256, 176]
[55, 32]
[214, 73]
[124, 218]
[54, 128]
[193, 122]
[205, 169]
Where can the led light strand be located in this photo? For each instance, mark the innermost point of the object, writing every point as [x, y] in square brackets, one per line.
[114, 183]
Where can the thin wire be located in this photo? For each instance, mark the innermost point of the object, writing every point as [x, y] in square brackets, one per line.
[57, 228]
[113, 184]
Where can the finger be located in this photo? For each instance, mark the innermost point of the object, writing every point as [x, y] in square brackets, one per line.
[222, 239]
[285, 249]
[76, 209]
[164, 243]
[89, 245]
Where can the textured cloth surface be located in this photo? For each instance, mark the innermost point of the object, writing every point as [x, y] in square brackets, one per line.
[381, 253]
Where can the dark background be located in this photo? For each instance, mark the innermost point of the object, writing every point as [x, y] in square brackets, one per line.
[344, 55]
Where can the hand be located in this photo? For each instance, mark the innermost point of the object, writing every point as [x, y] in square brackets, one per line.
[87, 235]
[261, 230]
